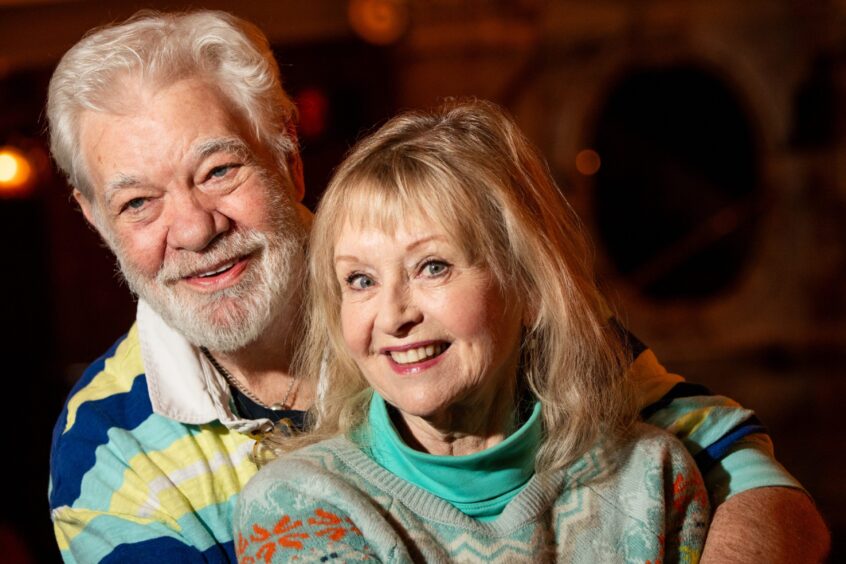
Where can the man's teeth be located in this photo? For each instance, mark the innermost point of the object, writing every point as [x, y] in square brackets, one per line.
[419, 354]
[223, 268]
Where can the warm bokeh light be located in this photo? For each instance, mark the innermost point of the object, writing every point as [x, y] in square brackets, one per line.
[588, 162]
[313, 107]
[15, 172]
[380, 22]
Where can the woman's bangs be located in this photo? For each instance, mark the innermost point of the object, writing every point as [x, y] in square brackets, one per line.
[392, 204]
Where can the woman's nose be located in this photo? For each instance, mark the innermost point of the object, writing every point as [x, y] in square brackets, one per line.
[398, 313]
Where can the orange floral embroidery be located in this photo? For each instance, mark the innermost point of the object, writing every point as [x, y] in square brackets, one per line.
[334, 525]
[260, 534]
[266, 552]
[289, 540]
[242, 545]
[286, 535]
[285, 538]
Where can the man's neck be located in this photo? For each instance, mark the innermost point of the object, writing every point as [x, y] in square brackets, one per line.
[264, 366]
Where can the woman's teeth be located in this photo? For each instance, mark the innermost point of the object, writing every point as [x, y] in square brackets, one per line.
[419, 354]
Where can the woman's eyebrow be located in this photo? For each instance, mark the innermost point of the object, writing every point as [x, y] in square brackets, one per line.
[423, 240]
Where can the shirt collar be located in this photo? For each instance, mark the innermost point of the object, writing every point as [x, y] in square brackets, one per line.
[182, 383]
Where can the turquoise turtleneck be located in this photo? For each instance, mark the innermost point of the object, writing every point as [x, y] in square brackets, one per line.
[479, 485]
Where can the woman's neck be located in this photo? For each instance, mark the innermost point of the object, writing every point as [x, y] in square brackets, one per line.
[462, 429]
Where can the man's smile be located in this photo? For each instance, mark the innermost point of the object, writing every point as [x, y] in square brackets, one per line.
[218, 277]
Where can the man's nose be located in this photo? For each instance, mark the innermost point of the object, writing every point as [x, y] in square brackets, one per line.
[398, 312]
[195, 221]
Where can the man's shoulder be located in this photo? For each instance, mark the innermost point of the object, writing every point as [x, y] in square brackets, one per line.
[114, 371]
[109, 384]
[109, 439]
[109, 398]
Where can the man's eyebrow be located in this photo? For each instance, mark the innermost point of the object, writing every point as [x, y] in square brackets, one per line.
[121, 182]
[233, 145]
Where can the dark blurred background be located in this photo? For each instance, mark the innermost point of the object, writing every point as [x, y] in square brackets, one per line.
[701, 142]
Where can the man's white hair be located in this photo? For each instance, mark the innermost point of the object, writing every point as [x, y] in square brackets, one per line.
[159, 49]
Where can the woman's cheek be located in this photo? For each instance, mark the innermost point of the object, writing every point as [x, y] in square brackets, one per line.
[354, 329]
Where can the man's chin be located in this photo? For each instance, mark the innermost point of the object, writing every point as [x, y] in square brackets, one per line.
[222, 333]
[227, 324]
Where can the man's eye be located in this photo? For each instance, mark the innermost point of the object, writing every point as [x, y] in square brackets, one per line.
[134, 204]
[358, 281]
[220, 171]
[435, 268]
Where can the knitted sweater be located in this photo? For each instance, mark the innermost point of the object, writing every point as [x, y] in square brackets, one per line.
[643, 503]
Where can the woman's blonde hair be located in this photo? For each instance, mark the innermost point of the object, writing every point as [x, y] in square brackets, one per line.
[467, 167]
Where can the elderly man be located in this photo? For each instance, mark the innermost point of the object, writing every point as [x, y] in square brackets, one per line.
[178, 140]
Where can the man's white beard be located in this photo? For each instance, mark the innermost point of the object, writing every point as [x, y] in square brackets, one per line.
[232, 318]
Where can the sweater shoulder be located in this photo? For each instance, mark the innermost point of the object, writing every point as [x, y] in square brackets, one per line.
[649, 472]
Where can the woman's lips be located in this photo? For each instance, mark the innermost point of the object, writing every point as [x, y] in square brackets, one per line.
[415, 357]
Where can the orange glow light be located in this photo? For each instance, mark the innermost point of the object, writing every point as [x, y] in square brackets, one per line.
[15, 171]
[380, 22]
[588, 162]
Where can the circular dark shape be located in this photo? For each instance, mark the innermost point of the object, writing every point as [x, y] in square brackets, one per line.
[676, 199]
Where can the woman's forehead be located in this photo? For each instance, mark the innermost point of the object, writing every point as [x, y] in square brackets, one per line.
[410, 229]
[390, 215]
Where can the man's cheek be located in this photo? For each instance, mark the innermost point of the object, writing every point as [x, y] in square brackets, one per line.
[142, 259]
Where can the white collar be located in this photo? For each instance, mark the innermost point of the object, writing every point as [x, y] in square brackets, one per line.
[182, 383]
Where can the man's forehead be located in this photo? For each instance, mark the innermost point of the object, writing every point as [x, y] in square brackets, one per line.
[174, 127]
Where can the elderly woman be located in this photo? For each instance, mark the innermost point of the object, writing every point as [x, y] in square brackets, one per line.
[473, 403]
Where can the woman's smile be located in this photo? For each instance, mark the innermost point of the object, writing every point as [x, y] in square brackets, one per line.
[415, 357]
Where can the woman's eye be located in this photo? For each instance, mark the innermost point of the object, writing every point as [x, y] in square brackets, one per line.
[359, 281]
[435, 268]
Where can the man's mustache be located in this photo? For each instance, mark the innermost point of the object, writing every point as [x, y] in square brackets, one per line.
[229, 247]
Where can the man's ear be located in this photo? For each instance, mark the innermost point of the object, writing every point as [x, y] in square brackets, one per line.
[295, 170]
[295, 165]
[85, 206]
